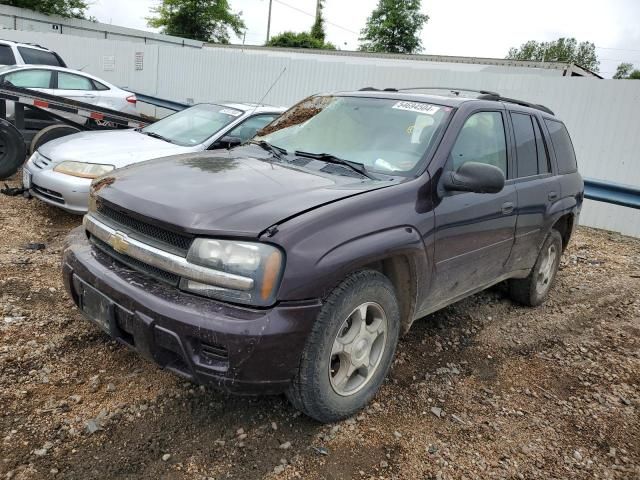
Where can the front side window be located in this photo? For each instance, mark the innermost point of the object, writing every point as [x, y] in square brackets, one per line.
[69, 81]
[481, 140]
[33, 56]
[385, 135]
[247, 130]
[29, 78]
[6, 55]
[562, 145]
[194, 125]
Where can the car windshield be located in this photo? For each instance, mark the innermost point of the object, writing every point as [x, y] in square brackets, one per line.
[386, 136]
[193, 125]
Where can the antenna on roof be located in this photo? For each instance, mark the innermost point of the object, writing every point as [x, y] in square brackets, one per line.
[269, 90]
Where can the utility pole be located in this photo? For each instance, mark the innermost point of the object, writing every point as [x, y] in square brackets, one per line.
[269, 21]
[318, 8]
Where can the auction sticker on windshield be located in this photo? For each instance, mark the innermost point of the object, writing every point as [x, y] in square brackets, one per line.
[417, 107]
[233, 113]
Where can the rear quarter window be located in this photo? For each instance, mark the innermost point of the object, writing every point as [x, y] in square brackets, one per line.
[39, 57]
[563, 147]
[6, 55]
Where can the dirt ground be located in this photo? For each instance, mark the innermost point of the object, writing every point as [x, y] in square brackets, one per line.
[482, 389]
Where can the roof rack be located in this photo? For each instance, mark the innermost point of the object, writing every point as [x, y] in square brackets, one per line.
[483, 95]
[522, 103]
[25, 43]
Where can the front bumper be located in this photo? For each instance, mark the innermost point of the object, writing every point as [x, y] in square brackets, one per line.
[237, 349]
[57, 189]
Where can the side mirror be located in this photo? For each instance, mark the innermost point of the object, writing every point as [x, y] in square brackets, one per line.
[475, 177]
[227, 142]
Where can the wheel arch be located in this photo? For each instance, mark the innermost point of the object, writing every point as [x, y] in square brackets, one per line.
[565, 225]
[397, 253]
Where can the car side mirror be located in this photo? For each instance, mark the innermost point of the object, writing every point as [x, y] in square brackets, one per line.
[475, 177]
[227, 142]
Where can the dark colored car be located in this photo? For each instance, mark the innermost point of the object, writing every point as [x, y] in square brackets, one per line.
[293, 263]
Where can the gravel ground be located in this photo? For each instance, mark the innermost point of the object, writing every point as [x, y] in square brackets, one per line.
[482, 389]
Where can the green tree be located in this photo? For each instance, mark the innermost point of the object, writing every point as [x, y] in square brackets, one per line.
[299, 40]
[317, 30]
[204, 20]
[394, 27]
[64, 8]
[562, 50]
[625, 71]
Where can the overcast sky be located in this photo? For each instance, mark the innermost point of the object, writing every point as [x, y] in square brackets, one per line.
[486, 28]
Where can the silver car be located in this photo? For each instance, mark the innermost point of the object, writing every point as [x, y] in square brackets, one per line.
[61, 171]
[73, 84]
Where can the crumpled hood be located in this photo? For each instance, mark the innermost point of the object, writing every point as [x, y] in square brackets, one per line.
[114, 147]
[224, 192]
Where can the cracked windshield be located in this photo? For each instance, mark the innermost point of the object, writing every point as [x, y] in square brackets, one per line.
[385, 135]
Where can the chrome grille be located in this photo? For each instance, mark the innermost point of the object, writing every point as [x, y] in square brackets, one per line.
[162, 237]
[137, 265]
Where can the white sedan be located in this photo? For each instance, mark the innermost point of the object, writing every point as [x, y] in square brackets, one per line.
[68, 83]
[60, 171]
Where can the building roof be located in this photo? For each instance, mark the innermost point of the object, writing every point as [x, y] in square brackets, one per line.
[566, 69]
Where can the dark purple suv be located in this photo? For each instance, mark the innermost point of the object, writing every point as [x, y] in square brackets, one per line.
[293, 263]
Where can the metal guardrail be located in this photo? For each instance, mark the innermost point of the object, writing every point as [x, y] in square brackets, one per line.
[159, 102]
[610, 192]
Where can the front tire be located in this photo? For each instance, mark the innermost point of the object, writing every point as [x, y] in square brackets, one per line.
[533, 289]
[349, 350]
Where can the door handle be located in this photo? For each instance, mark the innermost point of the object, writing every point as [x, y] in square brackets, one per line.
[507, 208]
[552, 196]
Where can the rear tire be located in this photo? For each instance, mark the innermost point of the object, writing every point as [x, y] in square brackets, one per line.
[49, 133]
[13, 150]
[533, 290]
[349, 350]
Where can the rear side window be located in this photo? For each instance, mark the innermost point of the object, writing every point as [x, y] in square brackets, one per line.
[39, 57]
[69, 81]
[544, 164]
[6, 55]
[99, 86]
[563, 147]
[527, 155]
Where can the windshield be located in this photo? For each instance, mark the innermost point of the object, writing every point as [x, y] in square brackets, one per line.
[194, 125]
[387, 136]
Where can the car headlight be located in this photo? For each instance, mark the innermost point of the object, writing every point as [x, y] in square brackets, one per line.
[260, 262]
[82, 169]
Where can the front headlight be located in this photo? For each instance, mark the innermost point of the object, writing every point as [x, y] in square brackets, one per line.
[82, 169]
[261, 263]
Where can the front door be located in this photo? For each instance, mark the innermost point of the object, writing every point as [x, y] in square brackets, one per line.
[474, 232]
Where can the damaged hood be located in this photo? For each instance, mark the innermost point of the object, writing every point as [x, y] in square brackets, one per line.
[114, 147]
[224, 192]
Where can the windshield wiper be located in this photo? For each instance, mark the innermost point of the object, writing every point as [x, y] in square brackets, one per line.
[275, 151]
[157, 135]
[329, 158]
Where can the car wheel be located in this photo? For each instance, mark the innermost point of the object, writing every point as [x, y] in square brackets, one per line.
[49, 133]
[533, 290]
[349, 350]
[13, 150]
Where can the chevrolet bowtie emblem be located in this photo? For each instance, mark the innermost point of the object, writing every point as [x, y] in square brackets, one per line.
[118, 242]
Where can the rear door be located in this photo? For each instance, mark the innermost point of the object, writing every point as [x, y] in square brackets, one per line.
[474, 232]
[76, 87]
[536, 186]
